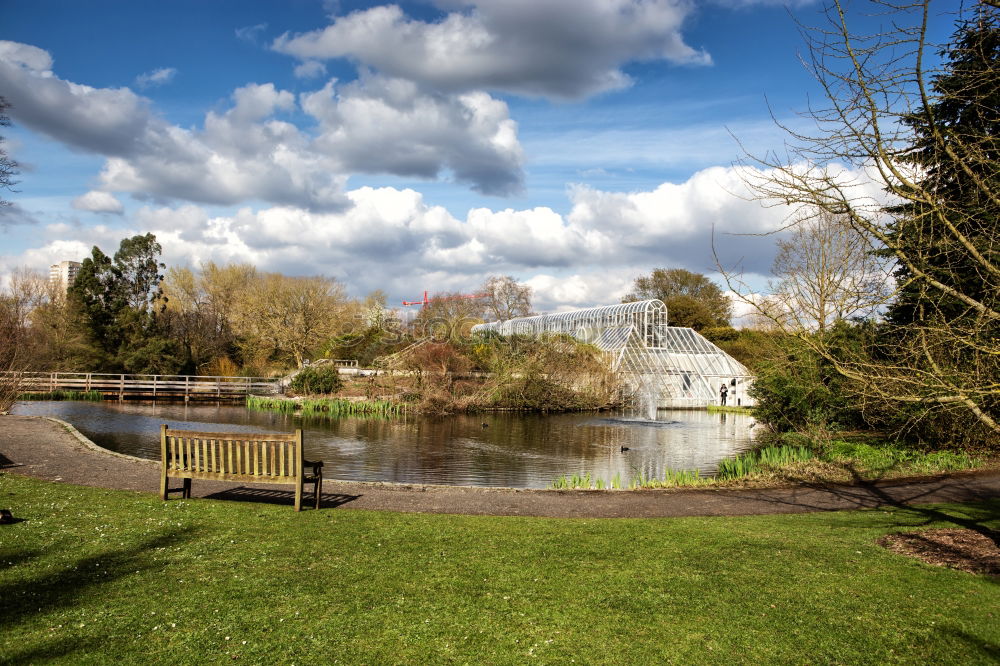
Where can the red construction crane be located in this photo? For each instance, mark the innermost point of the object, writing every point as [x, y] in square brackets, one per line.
[455, 297]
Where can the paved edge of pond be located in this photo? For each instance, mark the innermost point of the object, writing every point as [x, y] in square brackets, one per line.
[50, 449]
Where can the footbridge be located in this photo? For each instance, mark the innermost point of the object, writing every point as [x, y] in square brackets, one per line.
[664, 366]
[146, 387]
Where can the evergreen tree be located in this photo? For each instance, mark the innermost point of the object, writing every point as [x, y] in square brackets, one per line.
[119, 301]
[956, 152]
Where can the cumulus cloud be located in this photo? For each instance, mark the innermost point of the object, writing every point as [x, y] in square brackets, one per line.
[385, 125]
[157, 77]
[586, 257]
[247, 153]
[309, 69]
[558, 48]
[96, 201]
[109, 121]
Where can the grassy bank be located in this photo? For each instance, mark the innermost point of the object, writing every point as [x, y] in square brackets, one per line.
[98, 576]
[62, 395]
[326, 407]
[730, 409]
[836, 462]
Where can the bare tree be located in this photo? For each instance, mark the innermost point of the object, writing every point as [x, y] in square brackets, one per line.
[826, 272]
[8, 167]
[25, 291]
[292, 316]
[506, 298]
[448, 315]
[924, 132]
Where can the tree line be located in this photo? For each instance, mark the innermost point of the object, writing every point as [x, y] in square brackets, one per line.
[128, 312]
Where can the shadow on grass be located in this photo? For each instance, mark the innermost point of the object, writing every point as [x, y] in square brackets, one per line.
[12, 559]
[910, 496]
[269, 496]
[47, 591]
[52, 650]
[974, 646]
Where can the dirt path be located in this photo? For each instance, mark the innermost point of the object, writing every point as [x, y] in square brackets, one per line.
[48, 449]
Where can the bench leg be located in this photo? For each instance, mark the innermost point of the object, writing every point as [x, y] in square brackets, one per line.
[298, 494]
[187, 489]
[163, 485]
[318, 489]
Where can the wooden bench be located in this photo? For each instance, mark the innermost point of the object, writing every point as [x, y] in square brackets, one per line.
[231, 456]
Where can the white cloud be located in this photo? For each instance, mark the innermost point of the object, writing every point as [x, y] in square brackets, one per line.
[556, 48]
[247, 153]
[385, 125]
[96, 201]
[25, 55]
[394, 240]
[310, 69]
[157, 77]
[105, 120]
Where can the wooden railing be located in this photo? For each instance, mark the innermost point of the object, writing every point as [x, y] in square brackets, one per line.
[149, 386]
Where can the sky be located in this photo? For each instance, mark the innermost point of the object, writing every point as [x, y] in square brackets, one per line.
[571, 144]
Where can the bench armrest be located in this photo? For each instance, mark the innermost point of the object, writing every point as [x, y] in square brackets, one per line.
[317, 465]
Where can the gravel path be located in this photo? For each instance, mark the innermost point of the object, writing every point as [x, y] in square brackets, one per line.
[50, 449]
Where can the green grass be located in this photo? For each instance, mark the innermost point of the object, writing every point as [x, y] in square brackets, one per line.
[327, 407]
[99, 576]
[62, 395]
[731, 409]
[839, 462]
[882, 457]
[749, 464]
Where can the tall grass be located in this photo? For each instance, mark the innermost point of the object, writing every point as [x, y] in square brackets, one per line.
[62, 395]
[746, 464]
[327, 407]
[672, 478]
[755, 462]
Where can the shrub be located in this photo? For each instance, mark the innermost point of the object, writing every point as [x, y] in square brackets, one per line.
[317, 379]
[796, 389]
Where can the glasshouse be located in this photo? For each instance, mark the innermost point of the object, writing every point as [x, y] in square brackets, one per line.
[665, 366]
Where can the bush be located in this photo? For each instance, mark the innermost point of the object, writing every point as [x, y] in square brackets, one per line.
[317, 379]
[796, 389]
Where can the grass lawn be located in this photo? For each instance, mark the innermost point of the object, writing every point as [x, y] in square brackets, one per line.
[101, 576]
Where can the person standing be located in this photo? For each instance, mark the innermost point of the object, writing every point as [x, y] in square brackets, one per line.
[723, 392]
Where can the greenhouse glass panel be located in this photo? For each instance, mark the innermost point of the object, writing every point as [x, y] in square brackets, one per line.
[663, 366]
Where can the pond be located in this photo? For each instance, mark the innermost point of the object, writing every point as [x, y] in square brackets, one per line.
[496, 449]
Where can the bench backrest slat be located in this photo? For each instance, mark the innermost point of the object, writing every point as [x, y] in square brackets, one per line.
[265, 456]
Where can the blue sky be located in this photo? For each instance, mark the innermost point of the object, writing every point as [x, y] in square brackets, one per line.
[574, 144]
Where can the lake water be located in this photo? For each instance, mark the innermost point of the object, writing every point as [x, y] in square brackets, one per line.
[496, 449]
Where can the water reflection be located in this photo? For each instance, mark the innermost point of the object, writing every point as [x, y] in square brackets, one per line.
[503, 449]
